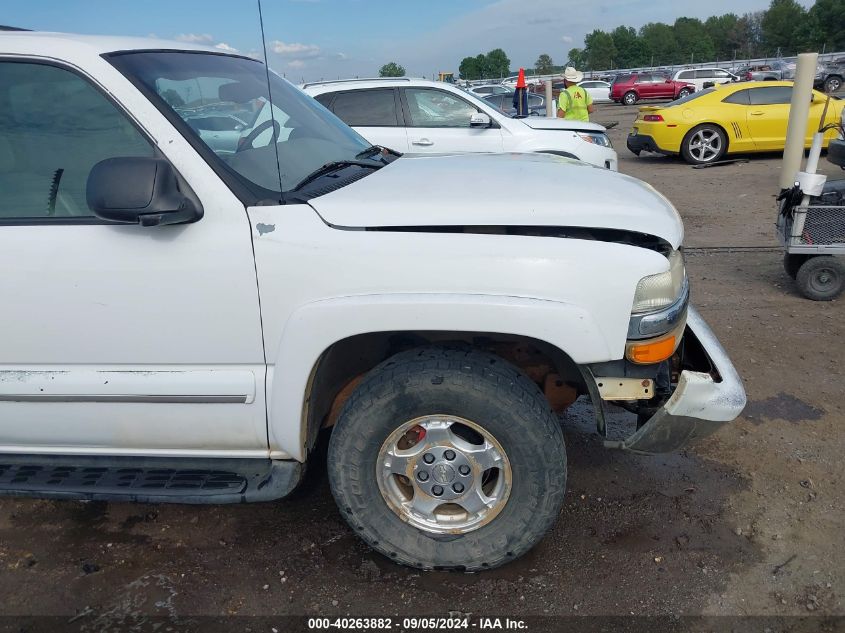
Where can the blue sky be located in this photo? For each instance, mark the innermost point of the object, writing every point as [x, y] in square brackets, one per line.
[315, 39]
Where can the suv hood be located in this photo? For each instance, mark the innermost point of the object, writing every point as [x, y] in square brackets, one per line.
[500, 190]
[547, 123]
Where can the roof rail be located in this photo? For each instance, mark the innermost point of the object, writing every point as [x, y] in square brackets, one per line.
[340, 81]
[12, 28]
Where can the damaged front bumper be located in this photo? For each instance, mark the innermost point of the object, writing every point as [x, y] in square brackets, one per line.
[707, 396]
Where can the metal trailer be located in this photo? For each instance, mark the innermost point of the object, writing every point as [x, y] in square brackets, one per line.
[812, 231]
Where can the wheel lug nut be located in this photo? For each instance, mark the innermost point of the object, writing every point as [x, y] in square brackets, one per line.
[428, 458]
[464, 470]
[437, 491]
[450, 455]
[458, 487]
[422, 475]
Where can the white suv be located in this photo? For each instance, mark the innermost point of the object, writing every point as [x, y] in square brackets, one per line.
[419, 116]
[183, 314]
[701, 76]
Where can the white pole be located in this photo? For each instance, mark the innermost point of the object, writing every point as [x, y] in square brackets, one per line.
[550, 105]
[799, 113]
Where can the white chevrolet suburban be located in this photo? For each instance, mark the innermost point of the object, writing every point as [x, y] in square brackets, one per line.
[184, 312]
[425, 117]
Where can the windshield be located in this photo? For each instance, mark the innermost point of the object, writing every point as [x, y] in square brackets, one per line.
[224, 101]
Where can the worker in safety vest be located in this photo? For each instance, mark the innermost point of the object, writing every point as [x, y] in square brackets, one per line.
[574, 103]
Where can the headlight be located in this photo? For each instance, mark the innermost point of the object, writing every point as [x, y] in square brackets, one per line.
[596, 138]
[663, 289]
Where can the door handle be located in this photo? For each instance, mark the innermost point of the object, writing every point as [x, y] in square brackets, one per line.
[757, 113]
[423, 141]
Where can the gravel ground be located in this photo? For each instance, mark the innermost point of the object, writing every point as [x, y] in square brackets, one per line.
[749, 522]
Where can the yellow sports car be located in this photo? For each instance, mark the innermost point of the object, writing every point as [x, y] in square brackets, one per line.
[730, 118]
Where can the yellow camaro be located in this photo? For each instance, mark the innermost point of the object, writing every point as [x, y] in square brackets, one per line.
[731, 118]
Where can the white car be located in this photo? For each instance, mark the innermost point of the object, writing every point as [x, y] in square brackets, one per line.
[180, 319]
[598, 90]
[419, 116]
[701, 76]
[489, 89]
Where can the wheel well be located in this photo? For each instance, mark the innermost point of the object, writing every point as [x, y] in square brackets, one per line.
[344, 364]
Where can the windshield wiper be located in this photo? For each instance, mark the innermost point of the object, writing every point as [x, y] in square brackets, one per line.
[372, 149]
[334, 166]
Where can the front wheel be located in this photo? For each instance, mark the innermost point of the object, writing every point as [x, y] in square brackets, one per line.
[685, 92]
[630, 98]
[448, 459]
[821, 278]
[832, 84]
[704, 144]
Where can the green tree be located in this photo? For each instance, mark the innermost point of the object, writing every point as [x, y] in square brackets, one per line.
[469, 69]
[631, 50]
[779, 25]
[661, 42]
[830, 16]
[719, 30]
[544, 64]
[577, 58]
[497, 64]
[599, 50]
[693, 41]
[391, 69]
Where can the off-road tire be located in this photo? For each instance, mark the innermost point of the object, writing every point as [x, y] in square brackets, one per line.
[792, 263]
[821, 278]
[832, 84]
[473, 385]
[630, 98]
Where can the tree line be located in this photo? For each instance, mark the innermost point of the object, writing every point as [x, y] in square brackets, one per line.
[784, 29]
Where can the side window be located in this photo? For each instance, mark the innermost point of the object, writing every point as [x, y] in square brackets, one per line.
[437, 108]
[374, 108]
[686, 74]
[722, 74]
[325, 98]
[740, 97]
[535, 101]
[770, 96]
[706, 73]
[643, 79]
[54, 127]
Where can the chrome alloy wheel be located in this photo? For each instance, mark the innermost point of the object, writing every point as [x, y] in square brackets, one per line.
[444, 474]
[705, 145]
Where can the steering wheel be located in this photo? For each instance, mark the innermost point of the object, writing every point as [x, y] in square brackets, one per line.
[247, 141]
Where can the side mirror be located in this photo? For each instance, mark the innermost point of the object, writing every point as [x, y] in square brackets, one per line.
[668, 80]
[480, 119]
[140, 190]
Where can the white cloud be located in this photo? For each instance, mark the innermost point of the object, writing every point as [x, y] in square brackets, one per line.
[223, 46]
[566, 39]
[195, 38]
[341, 57]
[296, 63]
[295, 50]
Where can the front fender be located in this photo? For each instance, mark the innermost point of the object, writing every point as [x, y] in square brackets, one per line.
[314, 327]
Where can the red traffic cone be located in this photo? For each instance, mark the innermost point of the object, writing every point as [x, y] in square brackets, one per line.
[520, 81]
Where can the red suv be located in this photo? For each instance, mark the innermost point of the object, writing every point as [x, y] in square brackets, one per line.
[630, 88]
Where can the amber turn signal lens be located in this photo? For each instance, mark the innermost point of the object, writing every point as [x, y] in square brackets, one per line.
[650, 352]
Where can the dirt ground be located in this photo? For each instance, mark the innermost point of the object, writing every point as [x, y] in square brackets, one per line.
[749, 522]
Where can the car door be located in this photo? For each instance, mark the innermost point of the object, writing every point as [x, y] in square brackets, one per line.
[768, 115]
[438, 121]
[644, 86]
[703, 76]
[688, 76]
[374, 113]
[117, 339]
[722, 77]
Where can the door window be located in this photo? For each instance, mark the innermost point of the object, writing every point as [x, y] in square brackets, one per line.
[437, 108]
[722, 74]
[686, 74]
[54, 127]
[644, 79]
[373, 108]
[775, 95]
[739, 97]
[705, 73]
